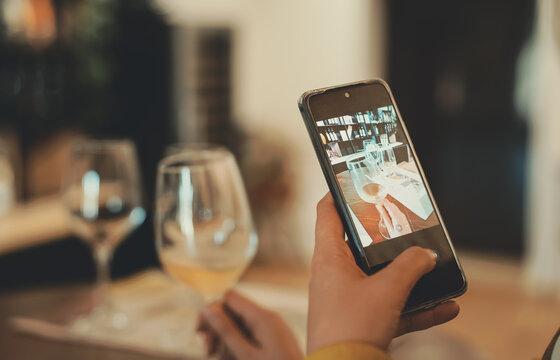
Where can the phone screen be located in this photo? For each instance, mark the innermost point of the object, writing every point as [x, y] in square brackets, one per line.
[381, 183]
[378, 176]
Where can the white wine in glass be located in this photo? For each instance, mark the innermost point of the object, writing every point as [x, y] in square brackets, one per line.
[101, 191]
[204, 229]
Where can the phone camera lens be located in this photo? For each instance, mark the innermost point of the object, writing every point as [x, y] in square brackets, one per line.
[347, 95]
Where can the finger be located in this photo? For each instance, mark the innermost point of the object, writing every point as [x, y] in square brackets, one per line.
[406, 269]
[210, 337]
[212, 343]
[329, 232]
[393, 210]
[250, 312]
[426, 319]
[228, 332]
[398, 217]
[386, 218]
[200, 324]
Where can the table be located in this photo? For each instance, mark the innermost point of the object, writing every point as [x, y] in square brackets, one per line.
[53, 304]
[59, 304]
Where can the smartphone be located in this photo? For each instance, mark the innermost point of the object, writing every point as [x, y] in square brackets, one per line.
[378, 185]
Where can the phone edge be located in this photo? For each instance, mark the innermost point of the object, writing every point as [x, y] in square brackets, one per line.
[348, 224]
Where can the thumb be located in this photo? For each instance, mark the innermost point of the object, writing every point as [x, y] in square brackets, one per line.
[329, 232]
[407, 268]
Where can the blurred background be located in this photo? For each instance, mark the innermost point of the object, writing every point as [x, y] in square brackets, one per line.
[476, 83]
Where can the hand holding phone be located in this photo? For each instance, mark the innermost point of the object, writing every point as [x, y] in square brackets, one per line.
[378, 186]
[347, 305]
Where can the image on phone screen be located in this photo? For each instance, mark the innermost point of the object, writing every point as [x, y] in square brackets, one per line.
[377, 173]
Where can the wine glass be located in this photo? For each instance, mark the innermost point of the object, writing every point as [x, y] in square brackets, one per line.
[372, 151]
[370, 184]
[387, 158]
[369, 145]
[101, 191]
[204, 230]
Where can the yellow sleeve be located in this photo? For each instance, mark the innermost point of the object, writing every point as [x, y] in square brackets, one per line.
[349, 351]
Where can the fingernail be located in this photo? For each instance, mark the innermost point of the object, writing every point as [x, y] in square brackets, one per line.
[434, 255]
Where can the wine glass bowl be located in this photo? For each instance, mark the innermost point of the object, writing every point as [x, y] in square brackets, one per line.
[204, 229]
[368, 179]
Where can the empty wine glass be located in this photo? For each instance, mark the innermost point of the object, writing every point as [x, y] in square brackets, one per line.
[387, 157]
[204, 230]
[101, 191]
[372, 152]
[370, 184]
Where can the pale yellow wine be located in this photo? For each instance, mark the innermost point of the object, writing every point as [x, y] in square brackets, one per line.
[209, 282]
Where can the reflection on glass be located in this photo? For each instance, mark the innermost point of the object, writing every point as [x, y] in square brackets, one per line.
[101, 191]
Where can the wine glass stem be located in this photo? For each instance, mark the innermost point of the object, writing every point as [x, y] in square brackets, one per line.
[102, 255]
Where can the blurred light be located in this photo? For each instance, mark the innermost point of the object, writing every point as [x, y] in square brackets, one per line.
[137, 216]
[450, 93]
[14, 18]
[30, 21]
[195, 12]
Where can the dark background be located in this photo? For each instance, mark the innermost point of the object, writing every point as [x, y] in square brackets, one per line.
[116, 82]
[452, 71]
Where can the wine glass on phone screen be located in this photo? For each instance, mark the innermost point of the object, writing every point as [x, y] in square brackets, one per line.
[370, 184]
[101, 191]
[204, 230]
[388, 159]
